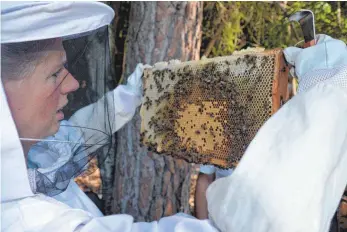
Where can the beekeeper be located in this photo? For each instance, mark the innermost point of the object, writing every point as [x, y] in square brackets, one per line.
[40, 153]
[293, 173]
[40, 196]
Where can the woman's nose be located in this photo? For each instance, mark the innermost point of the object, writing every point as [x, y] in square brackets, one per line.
[70, 84]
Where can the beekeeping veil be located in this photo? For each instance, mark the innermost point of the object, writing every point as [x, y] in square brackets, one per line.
[89, 122]
[293, 174]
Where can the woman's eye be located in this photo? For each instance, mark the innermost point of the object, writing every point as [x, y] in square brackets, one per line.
[55, 75]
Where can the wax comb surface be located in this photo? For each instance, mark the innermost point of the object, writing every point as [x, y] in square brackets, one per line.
[208, 111]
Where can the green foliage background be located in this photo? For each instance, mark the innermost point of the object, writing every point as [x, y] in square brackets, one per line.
[236, 25]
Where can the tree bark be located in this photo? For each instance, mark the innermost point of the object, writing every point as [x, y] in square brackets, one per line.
[147, 185]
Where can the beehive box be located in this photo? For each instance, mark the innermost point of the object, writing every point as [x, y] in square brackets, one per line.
[208, 111]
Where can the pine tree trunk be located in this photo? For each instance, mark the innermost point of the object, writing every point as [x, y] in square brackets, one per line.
[149, 186]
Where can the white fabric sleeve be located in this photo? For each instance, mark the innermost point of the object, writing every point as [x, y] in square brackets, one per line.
[211, 169]
[175, 223]
[293, 174]
[41, 213]
[207, 169]
[220, 173]
[121, 103]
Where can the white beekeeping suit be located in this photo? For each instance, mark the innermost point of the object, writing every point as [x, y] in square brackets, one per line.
[294, 172]
[23, 208]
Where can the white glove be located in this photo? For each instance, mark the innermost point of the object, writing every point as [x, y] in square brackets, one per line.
[135, 79]
[312, 64]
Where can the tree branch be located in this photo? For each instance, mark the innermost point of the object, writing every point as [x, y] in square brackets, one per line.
[217, 33]
[284, 10]
[214, 39]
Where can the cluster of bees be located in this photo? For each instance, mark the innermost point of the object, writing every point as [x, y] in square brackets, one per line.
[209, 110]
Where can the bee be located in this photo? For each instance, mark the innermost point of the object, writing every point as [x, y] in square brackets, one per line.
[147, 103]
[215, 147]
[250, 60]
[212, 131]
[265, 60]
[172, 76]
[203, 126]
[249, 97]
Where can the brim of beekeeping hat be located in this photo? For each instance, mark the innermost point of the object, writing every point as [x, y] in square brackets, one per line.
[28, 21]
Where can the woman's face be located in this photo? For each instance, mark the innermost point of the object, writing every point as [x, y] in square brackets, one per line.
[36, 100]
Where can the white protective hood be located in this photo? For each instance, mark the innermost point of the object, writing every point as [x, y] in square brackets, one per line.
[28, 21]
[33, 21]
[294, 172]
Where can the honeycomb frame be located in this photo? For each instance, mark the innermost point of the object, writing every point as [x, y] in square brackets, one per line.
[208, 111]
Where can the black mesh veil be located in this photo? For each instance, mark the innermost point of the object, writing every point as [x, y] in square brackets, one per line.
[87, 131]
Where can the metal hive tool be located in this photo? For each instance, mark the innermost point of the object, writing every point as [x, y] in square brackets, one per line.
[208, 111]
